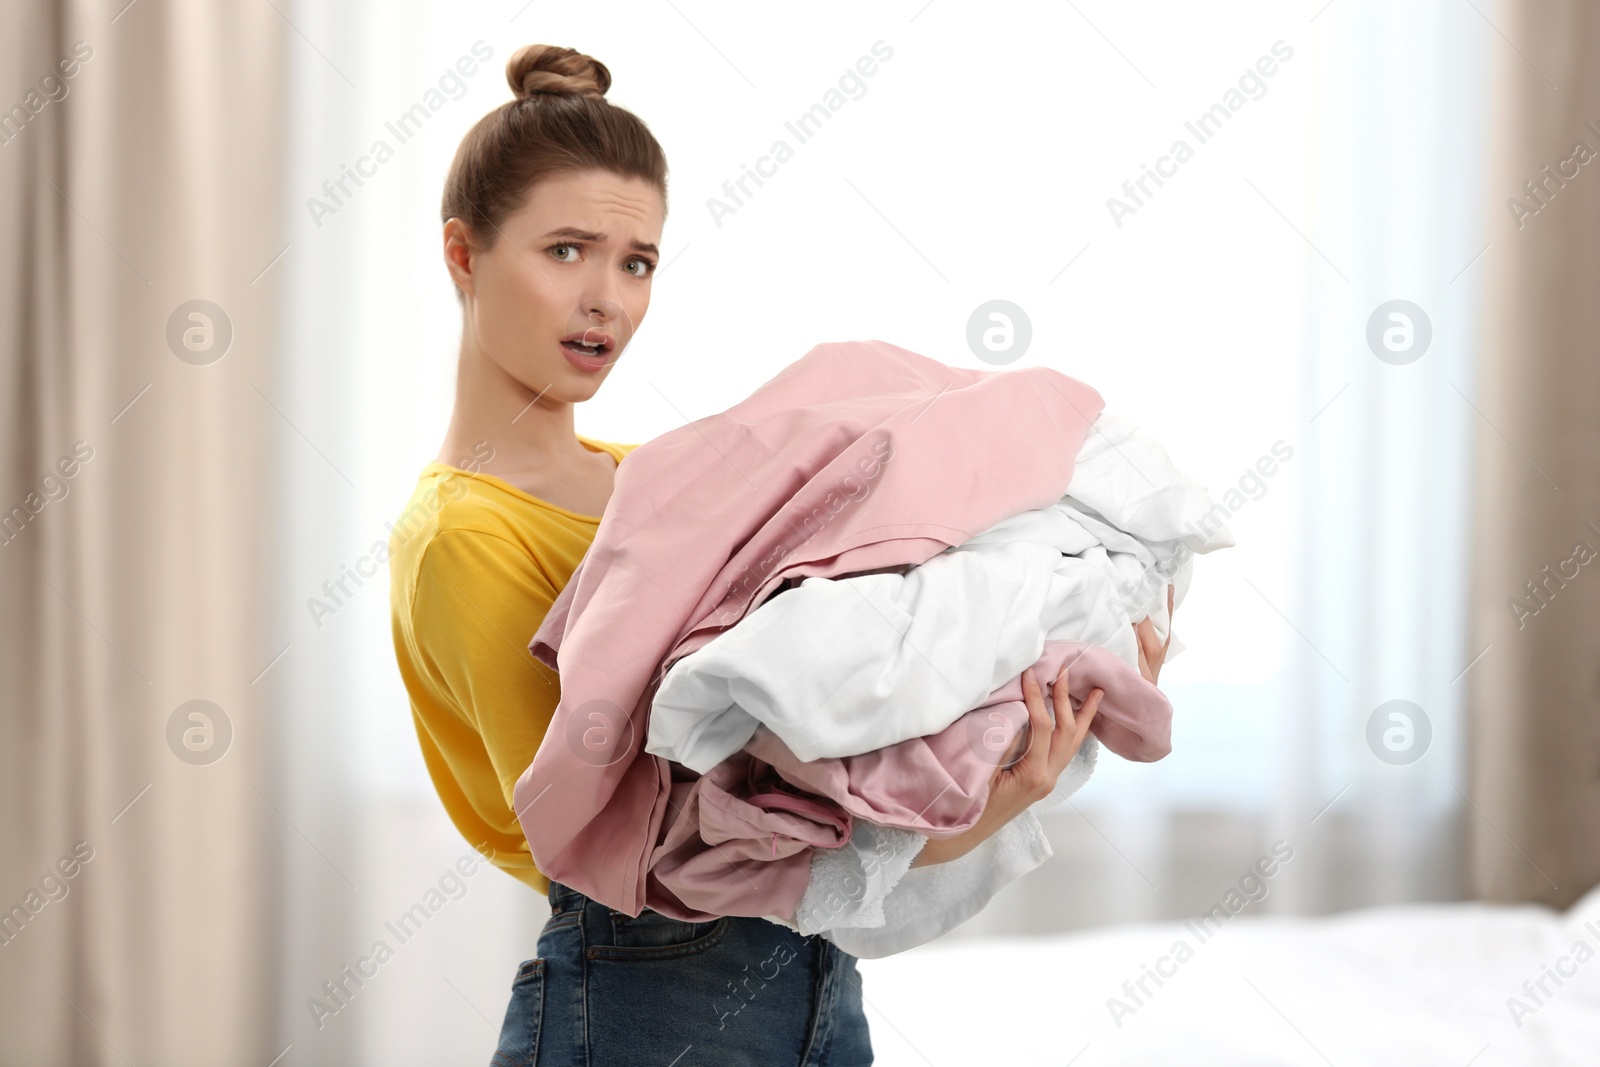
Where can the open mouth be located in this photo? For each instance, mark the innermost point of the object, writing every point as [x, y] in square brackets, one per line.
[597, 346]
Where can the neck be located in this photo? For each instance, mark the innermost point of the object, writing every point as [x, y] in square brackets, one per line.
[526, 428]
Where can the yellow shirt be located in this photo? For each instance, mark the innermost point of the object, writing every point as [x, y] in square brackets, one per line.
[474, 565]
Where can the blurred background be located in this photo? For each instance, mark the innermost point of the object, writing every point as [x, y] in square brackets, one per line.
[1359, 303]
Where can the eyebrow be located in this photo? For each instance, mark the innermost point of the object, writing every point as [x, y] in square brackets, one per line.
[599, 238]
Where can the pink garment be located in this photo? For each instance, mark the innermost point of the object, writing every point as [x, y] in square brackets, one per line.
[858, 455]
[938, 785]
[735, 840]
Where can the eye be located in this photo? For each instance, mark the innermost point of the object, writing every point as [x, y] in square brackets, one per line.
[564, 259]
[648, 265]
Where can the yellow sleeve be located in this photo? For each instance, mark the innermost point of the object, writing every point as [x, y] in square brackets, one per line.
[479, 598]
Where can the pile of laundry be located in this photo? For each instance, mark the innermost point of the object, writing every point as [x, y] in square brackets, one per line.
[792, 655]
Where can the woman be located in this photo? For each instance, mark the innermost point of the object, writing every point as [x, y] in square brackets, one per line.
[553, 211]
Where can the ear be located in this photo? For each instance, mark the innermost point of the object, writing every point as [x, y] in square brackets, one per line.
[458, 254]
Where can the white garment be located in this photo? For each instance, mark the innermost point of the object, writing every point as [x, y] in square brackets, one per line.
[865, 898]
[842, 666]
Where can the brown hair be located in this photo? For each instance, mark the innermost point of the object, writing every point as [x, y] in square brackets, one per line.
[559, 123]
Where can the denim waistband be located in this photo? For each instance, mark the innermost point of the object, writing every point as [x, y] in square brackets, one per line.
[565, 898]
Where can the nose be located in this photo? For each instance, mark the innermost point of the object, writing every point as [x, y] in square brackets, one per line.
[603, 312]
[600, 306]
[600, 301]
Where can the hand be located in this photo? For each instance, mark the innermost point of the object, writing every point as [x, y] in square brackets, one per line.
[1152, 653]
[1016, 785]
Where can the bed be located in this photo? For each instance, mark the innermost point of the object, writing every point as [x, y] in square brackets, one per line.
[1457, 985]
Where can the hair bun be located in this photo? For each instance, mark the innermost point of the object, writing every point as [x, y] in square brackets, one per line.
[556, 71]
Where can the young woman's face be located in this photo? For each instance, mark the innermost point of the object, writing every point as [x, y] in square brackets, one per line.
[573, 264]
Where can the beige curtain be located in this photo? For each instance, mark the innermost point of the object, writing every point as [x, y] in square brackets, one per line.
[139, 164]
[1534, 828]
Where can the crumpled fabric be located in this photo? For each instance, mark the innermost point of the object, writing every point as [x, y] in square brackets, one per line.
[741, 816]
[938, 785]
[929, 902]
[847, 665]
[858, 456]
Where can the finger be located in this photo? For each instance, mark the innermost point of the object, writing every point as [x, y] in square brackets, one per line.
[1149, 644]
[1066, 743]
[1020, 741]
[1086, 714]
[1061, 700]
[1039, 725]
[1061, 695]
[1034, 696]
[1141, 635]
[1172, 591]
[1145, 669]
[1015, 750]
[1061, 741]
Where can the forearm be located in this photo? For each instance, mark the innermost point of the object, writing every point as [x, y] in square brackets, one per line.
[935, 853]
[997, 811]
[946, 849]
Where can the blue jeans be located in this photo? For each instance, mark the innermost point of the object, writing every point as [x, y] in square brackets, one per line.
[612, 990]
